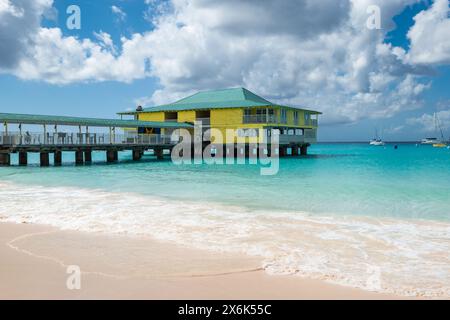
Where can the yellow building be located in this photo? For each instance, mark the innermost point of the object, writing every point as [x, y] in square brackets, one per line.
[240, 110]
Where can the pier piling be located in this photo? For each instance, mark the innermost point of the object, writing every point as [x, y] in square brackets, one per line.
[159, 153]
[57, 156]
[111, 156]
[79, 160]
[5, 159]
[304, 150]
[88, 156]
[23, 158]
[45, 159]
[137, 155]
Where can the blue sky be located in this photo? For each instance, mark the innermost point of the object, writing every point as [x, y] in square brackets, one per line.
[164, 50]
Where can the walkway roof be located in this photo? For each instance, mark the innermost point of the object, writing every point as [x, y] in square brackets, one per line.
[217, 99]
[90, 122]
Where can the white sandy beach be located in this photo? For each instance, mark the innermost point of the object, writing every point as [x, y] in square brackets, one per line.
[34, 262]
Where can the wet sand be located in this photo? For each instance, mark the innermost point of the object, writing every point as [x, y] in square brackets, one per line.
[34, 261]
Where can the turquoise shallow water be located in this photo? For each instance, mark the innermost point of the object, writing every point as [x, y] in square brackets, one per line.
[370, 217]
[342, 179]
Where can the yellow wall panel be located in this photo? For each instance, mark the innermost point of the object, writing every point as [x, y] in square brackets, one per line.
[186, 116]
[154, 116]
[226, 117]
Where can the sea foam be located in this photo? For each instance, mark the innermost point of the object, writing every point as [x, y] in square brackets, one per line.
[406, 257]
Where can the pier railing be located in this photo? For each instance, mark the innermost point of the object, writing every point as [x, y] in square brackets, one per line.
[260, 118]
[84, 139]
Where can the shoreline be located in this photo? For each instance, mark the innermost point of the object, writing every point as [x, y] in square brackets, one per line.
[35, 259]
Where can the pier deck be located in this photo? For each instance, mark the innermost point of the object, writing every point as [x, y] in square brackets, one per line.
[55, 141]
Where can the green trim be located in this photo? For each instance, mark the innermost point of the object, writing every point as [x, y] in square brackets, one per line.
[217, 99]
[90, 122]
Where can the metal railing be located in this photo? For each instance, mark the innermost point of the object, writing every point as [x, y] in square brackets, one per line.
[85, 139]
[263, 118]
[204, 121]
[260, 118]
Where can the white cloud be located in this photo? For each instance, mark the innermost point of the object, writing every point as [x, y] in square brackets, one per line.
[105, 41]
[427, 122]
[430, 35]
[317, 54]
[121, 15]
[19, 22]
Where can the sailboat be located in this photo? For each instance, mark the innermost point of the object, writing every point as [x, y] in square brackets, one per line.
[441, 143]
[377, 141]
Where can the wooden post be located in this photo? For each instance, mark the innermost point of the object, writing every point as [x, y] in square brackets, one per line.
[45, 160]
[295, 150]
[79, 157]
[57, 156]
[5, 159]
[6, 128]
[137, 155]
[20, 133]
[282, 151]
[159, 153]
[304, 150]
[23, 158]
[45, 134]
[88, 156]
[111, 156]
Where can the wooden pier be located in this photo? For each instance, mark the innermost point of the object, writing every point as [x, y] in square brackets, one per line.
[82, 143]
[52, 143]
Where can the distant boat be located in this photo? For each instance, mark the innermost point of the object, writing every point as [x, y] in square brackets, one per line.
[430, 141]
[438, 143]
[377, 141]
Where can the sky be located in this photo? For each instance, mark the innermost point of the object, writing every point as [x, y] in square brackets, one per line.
[325, 55]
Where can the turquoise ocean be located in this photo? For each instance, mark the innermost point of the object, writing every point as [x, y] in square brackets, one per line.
[376, 218]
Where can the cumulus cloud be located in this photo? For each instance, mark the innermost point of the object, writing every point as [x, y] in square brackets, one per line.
[427, 122]
[317, 54]
[430, 35]
[19, 22]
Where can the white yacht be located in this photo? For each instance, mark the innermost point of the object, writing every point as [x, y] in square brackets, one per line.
[430, 141]
[377, 141]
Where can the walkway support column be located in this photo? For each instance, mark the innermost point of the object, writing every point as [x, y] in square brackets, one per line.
[5, 159]
[304, 150]
[88, 156]
[57, 156]
[159, 153]
[23, 158]
[111, 156]
[137, 155]
[283, 151]
[45, 159]
[295, 150]
[79, 157]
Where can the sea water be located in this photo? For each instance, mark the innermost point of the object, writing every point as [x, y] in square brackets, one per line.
[376, 218]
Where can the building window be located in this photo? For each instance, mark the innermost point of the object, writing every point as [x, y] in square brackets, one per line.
[283, 116]
[307, 118]
[296, 118]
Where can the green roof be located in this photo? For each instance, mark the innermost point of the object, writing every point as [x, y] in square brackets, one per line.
[92, 122]
[216, 99]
